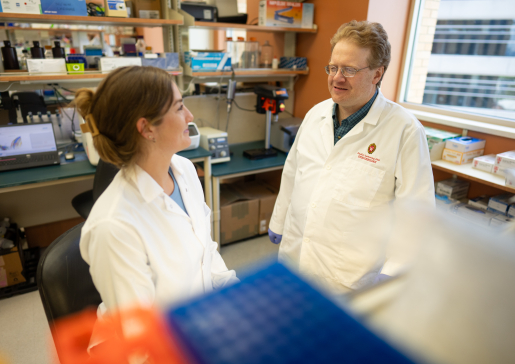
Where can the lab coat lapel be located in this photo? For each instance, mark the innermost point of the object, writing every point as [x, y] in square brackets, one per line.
[372, 117]
[327, 130]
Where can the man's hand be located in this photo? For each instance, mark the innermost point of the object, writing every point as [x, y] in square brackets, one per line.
[274, 238]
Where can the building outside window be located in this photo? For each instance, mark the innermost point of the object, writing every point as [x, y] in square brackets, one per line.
[462, 57]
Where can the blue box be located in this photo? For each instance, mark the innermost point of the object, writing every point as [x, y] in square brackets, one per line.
[208, 61]
[64, 7]
[170, 62]
[300, 63]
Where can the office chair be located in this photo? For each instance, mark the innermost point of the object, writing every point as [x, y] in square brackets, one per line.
[63, 278]
[83, 202]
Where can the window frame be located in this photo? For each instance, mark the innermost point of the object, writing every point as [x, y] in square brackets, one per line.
[440, 115]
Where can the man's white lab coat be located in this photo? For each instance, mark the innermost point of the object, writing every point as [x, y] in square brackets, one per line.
[336, 200]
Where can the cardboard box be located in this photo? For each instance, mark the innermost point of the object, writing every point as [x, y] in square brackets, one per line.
[115, 8]
[445, 202]
[147, 9]
[484, 163]
[434, 136]
[203, 61]
[299, 63]
[238, 215]
[501, 203]
[64, 7]
[436, 150]
[246, 210]
[511, 211]
[480, 202]
[500, 221]
[11, 268]
[457, 157]
[498, 170]
[453, 188]
[54, 65]
[465, 144]
[107, 64]
[509, 174]
[21, 7]
[286, 14]
[506, 159]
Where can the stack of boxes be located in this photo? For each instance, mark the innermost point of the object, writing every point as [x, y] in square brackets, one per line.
[463, 150]
[502, 164]
[436, 141]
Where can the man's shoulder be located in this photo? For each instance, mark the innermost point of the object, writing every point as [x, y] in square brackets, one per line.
[400, 114]
[321, 109]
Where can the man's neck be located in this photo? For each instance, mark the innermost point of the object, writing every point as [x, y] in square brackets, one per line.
[344, 112]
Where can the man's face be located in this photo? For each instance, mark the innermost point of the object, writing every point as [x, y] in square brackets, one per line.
[352, 92]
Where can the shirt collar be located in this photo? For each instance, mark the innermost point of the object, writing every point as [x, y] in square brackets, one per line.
[358, 115]
[147, 186]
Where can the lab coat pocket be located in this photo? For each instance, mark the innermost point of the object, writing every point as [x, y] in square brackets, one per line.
[361, 183]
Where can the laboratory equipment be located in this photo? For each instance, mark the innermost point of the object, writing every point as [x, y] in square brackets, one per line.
[252, 54]
[266, 55]
[215, 141]
[283, 133]
[141, 46]
[10, 57]
[231, 91]
[194, 136]
[36, 51]
[201, 12]
[270, 101]
[236, 50]
[23, 59]
[58, 51]
[48, 52]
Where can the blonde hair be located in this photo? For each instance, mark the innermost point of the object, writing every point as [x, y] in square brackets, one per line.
[126, 95]
[367, 35]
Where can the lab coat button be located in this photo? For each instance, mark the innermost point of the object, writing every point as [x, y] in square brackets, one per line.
[306, 240]
[328, 167]
[313, 205]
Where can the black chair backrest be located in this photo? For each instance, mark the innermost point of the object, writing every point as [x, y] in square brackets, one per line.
[103, 177]
[64, 282]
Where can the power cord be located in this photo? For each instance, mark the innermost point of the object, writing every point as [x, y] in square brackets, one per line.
[238, 106]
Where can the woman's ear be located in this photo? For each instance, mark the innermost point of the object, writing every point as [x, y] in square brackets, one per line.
[142, 125]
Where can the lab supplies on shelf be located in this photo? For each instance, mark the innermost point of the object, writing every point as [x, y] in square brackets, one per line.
[107, 64]
[480, 202]
[298, 63]
[453, 188]
[505, 160]
[208, 61]
[52, 65]
[511, 211]
[70, 7]
[474, 214]
[484, 163]
[445, 202]
[463, 150]
[436, 141]
[501, 203]
[286, 14]
[500, 221]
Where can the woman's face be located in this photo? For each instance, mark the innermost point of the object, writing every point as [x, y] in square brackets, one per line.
[173, 134]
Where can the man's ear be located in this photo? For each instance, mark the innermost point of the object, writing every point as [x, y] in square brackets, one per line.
[379, 72]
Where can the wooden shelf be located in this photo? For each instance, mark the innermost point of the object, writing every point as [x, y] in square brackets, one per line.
[53, 30]
[91, 75]
[87, 20]
[253, 28]
[466, 171]
[250, 72]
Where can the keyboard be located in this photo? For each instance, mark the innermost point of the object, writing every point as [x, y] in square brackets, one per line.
[29, 160]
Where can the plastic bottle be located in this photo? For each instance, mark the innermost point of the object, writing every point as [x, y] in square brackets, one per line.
[58, 51]
[23, 59]
[140, 46]
[148, 50]
[10, 57]
[37, 51]
[275, 63]
[266, 55]
[48, 52]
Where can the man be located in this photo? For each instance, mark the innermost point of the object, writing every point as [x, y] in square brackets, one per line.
[354, 155]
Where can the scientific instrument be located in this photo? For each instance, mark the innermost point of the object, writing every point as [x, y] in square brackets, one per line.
[270, 101]
[215, 141]
[194, 136]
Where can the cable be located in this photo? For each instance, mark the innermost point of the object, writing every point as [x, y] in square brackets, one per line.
[250, 22]
[7, 89]
[238, 106]
[65, 89]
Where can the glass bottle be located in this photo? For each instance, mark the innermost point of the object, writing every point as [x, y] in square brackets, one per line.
[48, 52]
[266, 55]
[10, 57]
[37, 51]
[252, 53]
[23, 59]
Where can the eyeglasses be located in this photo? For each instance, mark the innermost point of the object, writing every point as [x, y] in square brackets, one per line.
[345, 71]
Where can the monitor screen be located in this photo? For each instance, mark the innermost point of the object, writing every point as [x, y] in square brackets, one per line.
[26, 139]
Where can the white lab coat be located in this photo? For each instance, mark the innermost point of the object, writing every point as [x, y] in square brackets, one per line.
[143, 249]
[336, 200]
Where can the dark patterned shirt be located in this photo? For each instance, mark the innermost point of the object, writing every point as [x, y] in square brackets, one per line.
[340, 130]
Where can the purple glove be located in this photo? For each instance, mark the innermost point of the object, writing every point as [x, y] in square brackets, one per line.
[274, 238]
[380, 278]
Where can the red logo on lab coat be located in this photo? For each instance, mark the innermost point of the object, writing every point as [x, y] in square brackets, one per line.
[371, 148]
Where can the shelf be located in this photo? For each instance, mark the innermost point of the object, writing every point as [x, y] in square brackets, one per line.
[53, 30]
[91, 75]
[466, 171]
[87, 20]
[252, 28]
[258, 72]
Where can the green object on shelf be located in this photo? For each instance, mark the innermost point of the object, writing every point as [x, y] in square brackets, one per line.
[75, 68]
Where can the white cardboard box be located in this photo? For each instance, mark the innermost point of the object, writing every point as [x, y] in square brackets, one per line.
[21, 7]
[498, 170]
[506, 159]
[501, 203]
[509, 174]
[55, 65]
[285, 14]
[458, 157]
[484, 163]
[480, 202]
[453, 188]
[465, 144]
[107, 64]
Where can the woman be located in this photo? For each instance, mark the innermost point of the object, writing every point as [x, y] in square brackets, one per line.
[147, 238]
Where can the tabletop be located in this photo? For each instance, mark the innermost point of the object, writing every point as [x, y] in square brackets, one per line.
[240, 164]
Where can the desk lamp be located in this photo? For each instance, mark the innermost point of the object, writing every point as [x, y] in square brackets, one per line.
[270, 101]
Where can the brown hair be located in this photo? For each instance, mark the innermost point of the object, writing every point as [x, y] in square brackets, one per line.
[367, 35]
[126, 95]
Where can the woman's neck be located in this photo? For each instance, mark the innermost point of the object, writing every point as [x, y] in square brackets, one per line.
[157, 165]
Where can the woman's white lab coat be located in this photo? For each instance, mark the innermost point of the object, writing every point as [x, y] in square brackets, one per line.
[334, 204]
[142, 248]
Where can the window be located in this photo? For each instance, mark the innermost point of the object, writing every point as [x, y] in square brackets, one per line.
[462, 58]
